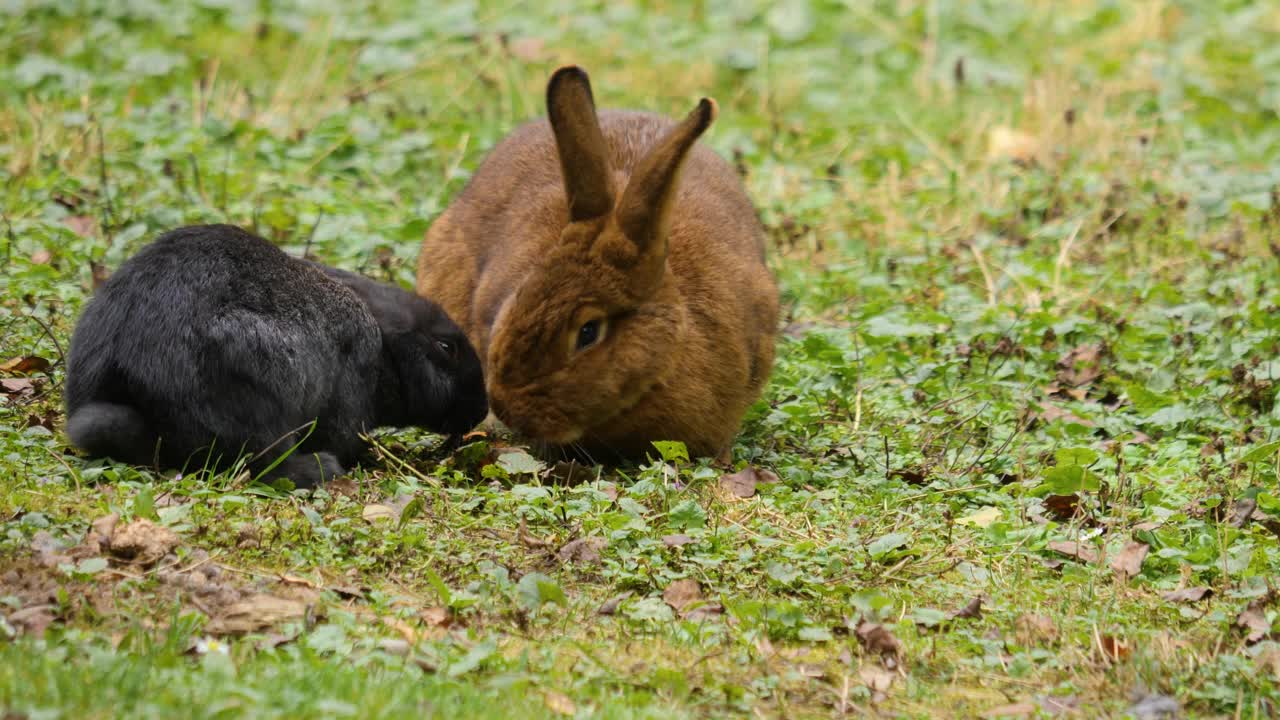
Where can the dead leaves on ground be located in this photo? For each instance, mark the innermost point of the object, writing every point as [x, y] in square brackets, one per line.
[1253, 618]
[685, 598]
[742, 484]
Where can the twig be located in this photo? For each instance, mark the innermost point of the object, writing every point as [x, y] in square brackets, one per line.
[387, 455]
[986, 273]
[102, 177]
[311, 236]
[62, 360]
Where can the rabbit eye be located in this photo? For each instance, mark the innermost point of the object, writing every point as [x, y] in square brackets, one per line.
[588, 334]
[448, 348]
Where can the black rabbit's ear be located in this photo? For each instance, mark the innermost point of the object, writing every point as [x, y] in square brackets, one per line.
[584, 156]
[645, 207]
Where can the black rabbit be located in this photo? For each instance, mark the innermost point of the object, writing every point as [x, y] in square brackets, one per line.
[211, 344]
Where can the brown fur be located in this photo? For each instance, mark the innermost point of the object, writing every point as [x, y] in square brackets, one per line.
[652, 235]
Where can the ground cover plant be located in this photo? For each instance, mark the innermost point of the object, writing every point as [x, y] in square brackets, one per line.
[1018, 456]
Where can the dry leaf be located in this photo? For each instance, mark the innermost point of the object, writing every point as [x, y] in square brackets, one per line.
[584, 551]
[1020, 709]
[376, 511]
[17, 386]
[1049, 413]
[559, 703]
[82, 225]
[25, 365]
[528, 49]
[677, 540]
[1191, 594]
[682, 593]
[99, 274]
[255, 613]
[1254, 618]
[878, 681]
[1033, 629]
[610, 491]
[1007, 143]
[1081, 365]
[528, 539]
[971, 611]
[143, 542]
[610, 606]
[32, 620]
[1075, 550]
[1062, 507]
[437, 617]
[1129, 562]
[1113, 648]
[876, 639]
[41, 257]
[743, 483]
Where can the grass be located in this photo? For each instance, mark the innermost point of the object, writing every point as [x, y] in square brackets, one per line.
[1028, 258]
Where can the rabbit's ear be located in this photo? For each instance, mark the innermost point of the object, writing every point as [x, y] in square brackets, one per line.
[584, 156]
[644, 210]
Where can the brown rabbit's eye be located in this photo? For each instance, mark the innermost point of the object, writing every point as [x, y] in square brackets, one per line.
[588, 334]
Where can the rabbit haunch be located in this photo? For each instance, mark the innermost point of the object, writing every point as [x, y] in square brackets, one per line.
[611, 273]
[211, 343]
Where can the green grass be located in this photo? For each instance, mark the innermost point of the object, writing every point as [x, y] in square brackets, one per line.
[1028, 255]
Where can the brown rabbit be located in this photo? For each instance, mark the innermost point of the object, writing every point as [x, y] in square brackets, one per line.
[611, 272]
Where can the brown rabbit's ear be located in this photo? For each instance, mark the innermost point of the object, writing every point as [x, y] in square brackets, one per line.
[644, 210]
[584, 156]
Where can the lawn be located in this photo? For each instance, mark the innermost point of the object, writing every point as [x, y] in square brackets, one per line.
[1017, 457]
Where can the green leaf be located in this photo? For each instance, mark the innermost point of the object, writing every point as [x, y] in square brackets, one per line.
[475, 657]
[1261, 453]
[1068, 479]
[672, 451]
[412, 510]
[91, 566]
[520, 462]
[1076, 456]
[784, 573]
[144, 504]
[791, 20]
[446, 597]
[882, 546]
[536, 590]
[687, 515]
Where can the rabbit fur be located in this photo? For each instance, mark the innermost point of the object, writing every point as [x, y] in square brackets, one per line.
[211, 343]
[611, 273]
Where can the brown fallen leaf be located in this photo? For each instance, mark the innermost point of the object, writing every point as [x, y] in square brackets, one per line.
[1050, 413]
[610, 606]
[82, 225]
[971, 611]
[98, 273]
[1019, 709]
[255, 613]
[677, 540]
[18, 386]
[1242, 511]
[41, 257]
[682, 593]
[584, 551]
[559, 703]
[377, 511]
[1063, 507]
[528, 539]
[1128, 563]
[25, 365]
[1191, 594]
[32, 620]
[1034, 629]
[1006, 143]
[877, 680]
[1113, 648]
[911, 476]
[437, 617]
[143, 542]
[47, 550]
[528, 49]
[1075, 550]
[1081, 365]
[877, 639]
[1254, 618]
[343, 486]
[703, 611]
[743, 483]
[610, 491]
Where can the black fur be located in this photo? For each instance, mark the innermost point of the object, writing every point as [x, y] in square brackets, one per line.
[211, 343]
